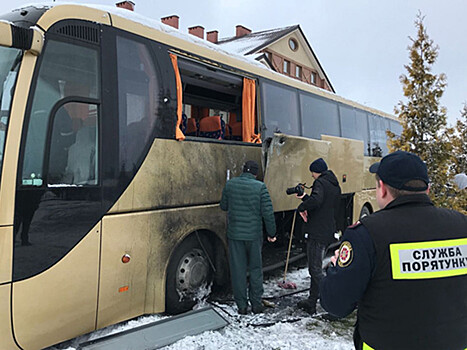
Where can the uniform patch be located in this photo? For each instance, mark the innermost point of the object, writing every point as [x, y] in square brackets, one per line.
[345, 254]
[430, 259]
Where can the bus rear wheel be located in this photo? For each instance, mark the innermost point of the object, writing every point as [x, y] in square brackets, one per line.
[189, 274]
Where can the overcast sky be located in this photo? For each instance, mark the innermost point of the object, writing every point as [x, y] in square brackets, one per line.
[361, 44]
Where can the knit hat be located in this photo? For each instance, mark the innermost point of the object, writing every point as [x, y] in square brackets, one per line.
[318, 166]
[251, 167]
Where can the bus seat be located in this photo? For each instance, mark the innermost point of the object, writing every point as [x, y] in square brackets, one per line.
[235, 131]
[192, 127]
[82, 157]
[212, 127]
[203, 112]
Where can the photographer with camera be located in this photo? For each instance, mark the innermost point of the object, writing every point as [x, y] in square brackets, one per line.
[317, 212]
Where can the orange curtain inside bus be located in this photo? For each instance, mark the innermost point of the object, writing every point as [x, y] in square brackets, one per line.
[178, 132]
[248, 112]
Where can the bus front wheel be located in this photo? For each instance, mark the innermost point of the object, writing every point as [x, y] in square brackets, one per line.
[189, 274]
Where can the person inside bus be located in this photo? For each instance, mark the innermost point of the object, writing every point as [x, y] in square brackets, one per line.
[62, 138]
[82, 156]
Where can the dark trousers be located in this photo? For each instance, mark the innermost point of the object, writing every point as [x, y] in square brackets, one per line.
[315, 253]
[246, 256]
[357, 340]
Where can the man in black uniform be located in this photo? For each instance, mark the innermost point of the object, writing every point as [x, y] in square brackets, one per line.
[317, 210]
[405, 266]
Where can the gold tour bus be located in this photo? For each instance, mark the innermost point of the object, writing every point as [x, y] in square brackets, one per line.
[117, 135]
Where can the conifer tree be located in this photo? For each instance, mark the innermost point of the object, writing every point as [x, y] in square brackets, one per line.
[458, 199]
[460, 143]
[422, 117]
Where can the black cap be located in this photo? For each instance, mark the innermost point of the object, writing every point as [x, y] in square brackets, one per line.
[318, 166]
[251, 167]
[397, 168]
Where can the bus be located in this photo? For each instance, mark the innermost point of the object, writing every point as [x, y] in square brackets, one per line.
[117, 136]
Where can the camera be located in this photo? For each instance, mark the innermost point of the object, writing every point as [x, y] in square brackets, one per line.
[299, 189]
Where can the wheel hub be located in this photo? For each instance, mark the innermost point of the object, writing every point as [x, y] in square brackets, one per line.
[192, 271]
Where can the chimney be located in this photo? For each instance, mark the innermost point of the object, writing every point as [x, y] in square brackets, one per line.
[212, 36]
[241, 31]
[128, 5]
[197, 31]
[171, 21]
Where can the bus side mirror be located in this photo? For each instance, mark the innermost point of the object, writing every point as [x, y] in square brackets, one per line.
[30, 39]
[37, 42]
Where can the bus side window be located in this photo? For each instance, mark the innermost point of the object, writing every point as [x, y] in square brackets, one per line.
[209, 96]
[320, 116]
[363, 129]
[74, 145]
[66, 70]
[139, 106]
[378, 137]
[280, 110]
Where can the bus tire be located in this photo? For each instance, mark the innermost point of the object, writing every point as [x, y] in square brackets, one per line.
[365, 211]
[188, 272]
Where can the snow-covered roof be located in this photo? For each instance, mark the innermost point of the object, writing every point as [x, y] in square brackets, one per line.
[250, 44]
[253, 42]
[156, 24]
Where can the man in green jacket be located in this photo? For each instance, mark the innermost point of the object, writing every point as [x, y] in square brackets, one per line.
[248, 203]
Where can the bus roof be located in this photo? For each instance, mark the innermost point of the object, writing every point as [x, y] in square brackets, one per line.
[153, 28]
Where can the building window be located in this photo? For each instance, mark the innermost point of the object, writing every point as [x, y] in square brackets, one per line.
[314, 78]
[293, 44]
[298, 72]
[286, 67]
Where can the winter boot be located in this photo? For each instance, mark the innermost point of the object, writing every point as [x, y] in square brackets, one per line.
[242, 311]
[259, 309]
[308, 305]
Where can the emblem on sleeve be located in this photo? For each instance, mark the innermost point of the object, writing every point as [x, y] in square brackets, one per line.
[345, 254]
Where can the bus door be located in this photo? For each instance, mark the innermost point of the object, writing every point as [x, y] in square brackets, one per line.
[140, 98]
[59, 192]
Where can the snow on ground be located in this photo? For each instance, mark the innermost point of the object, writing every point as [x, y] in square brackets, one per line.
[282, 327]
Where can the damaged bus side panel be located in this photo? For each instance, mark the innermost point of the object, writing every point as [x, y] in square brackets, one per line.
[287, 163]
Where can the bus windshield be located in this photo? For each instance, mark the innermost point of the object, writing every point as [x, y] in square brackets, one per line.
[9, 63]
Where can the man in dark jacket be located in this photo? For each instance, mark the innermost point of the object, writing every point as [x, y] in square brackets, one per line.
[248, 203]
[317, 210]
[405, 266]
